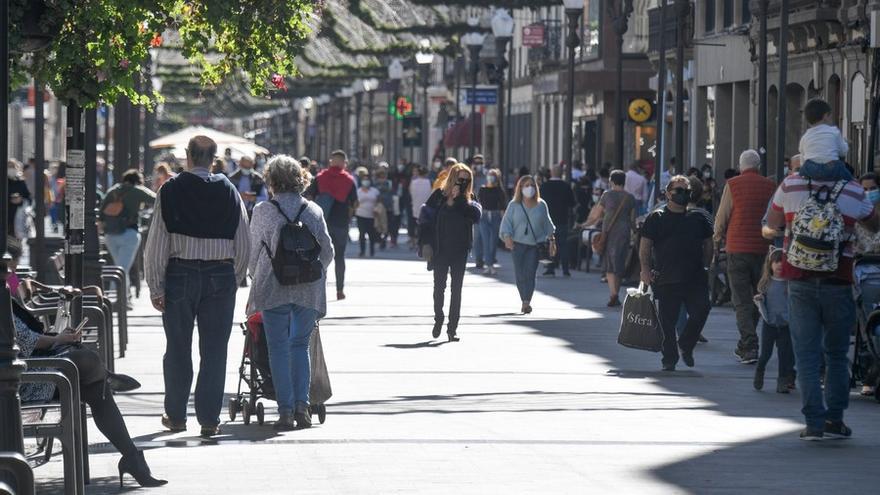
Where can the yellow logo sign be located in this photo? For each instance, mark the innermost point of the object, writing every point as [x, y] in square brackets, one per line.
[640, 110]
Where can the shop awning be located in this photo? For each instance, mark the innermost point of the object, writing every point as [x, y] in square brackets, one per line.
[459, 135]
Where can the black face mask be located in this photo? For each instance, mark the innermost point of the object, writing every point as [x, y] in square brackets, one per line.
[681, 197]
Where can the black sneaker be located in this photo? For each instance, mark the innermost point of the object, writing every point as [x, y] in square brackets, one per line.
[758, 382]
[688, 358]
[549, 272]
[702, 340]
[438, 327]
[836, 429]
[809, 435]
[668, 367]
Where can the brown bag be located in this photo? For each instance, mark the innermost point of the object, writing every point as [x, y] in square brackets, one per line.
[601, 239]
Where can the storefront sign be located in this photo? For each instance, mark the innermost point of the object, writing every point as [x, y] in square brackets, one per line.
[482, 96]
[533, 35]
[640, 110]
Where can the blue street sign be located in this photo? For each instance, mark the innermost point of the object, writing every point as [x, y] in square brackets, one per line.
[484, 96]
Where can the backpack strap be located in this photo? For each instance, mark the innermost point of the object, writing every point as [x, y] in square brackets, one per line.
[838, 189]
[301, 210]
[278, 207]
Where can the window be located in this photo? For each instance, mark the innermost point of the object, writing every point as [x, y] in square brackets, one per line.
[590, 34]
[709, 19]
[728, 13]
[746, 13]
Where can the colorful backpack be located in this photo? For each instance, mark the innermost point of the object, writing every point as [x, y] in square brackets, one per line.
[817, 231]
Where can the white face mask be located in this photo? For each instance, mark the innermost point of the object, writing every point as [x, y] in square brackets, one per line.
[437, 165]
[492, 179]
[12, 173]
[401, 168]
[366, 183]
[528, 192]
[246, 171]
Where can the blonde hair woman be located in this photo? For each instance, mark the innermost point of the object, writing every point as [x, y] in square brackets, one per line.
[526, 224]
[446, 236]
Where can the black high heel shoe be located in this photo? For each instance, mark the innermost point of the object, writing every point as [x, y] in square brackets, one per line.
[122, 383]
[137, 467]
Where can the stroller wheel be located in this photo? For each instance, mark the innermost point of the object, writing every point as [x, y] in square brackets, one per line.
[245, 412]
[233, 407]
[261, 413]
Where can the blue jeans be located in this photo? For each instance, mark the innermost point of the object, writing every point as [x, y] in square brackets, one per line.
[525, 265]
[123, 248]
[203, 291]
[490, 224]
[478, 248]
[822, 317]
[288, 329]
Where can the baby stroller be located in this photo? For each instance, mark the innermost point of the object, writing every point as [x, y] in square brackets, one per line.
[718, 284]
[256, 373]
[866, 356]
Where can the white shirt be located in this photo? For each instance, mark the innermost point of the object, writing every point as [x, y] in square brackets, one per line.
[635, 184]
[420, 190]
[367, 202]
[822, 143]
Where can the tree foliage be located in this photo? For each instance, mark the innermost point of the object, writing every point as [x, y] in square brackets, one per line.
[99, 48]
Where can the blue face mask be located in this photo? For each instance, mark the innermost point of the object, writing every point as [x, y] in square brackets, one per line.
[874, 196]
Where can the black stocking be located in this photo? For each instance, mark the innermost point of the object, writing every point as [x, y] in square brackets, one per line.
[107, 417]
[99, 397]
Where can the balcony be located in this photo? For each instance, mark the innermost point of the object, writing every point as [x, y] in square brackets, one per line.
[549, 55]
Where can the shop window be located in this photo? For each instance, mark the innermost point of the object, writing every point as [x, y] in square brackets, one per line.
[746, 13]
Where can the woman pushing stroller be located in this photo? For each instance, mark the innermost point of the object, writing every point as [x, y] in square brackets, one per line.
[290, 306]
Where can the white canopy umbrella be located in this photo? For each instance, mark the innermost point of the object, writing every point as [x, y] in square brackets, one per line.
[176, 142]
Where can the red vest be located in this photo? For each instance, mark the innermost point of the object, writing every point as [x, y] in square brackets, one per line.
[751, 193]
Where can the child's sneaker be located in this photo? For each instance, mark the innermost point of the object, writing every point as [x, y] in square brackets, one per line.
[811, 435]
[836, 429]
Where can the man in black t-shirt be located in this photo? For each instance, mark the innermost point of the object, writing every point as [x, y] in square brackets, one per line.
[675, 251]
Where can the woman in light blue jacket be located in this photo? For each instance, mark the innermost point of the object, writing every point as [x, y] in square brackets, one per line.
[526, 224]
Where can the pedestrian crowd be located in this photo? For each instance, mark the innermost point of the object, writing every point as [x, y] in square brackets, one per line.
[277, 223]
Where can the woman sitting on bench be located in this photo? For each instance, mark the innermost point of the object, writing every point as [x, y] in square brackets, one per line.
[96, 388]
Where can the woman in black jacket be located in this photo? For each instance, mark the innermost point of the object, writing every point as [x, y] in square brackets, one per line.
[446, 234]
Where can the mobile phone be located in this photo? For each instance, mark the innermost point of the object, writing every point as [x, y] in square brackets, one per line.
[81, 325]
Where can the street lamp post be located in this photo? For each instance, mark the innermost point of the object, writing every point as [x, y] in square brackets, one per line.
[661, 103]
[682, 8]
[474, 42]
[358, 90]
[502, 29]
[783, 84]
[761, 12]
[574, 9]
[370, 86]
[424, 59]
[395, 74]
[620, 17]
[10, 366]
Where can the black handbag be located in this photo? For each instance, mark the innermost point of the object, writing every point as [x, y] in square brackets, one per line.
[546, 248]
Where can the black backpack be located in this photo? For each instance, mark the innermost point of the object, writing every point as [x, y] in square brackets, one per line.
[297, 254]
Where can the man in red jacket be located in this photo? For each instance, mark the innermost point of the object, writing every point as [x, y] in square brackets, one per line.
[738, 221]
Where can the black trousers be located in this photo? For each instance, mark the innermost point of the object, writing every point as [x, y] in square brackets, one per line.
[444, 266]
[562, 256]
[695, 297]
[367, 228]
[339, 236]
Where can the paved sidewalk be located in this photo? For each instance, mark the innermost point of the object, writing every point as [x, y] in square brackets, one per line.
[545, 403]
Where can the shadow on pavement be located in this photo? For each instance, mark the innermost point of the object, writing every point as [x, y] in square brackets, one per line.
[419, 345]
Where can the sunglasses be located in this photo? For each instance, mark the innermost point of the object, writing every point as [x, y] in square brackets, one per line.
[679, 190]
